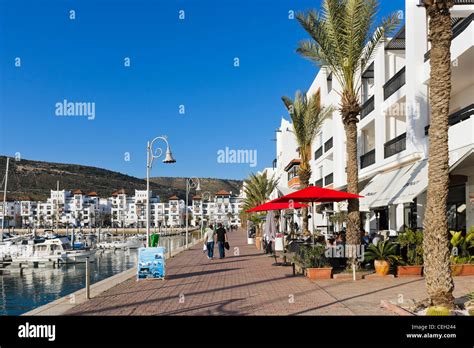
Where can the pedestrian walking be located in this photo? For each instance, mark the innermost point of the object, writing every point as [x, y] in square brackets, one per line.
[221, 240]
[209, 241]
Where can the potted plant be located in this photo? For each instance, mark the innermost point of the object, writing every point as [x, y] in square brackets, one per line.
[383, 254]
[413, 242]
[462, 258]
[316, 263]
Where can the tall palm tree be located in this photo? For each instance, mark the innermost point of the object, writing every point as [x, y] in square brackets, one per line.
[437, 270]
[307, 117]
[257, 190]
[343, 39]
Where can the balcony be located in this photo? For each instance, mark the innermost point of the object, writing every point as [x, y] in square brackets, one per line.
[458, 116]
[394, 83]
[395, 145]
[459, 24]
[328, 179]
[367, 107]
[328, 145]
[367, 159]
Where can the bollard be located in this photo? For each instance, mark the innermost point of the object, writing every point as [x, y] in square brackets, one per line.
[169, 248]
[88, 279]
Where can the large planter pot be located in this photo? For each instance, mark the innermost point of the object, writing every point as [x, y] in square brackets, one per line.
[381, 267]
[462, 269]
[258, 243]
[319, 273]
[250, 240]
[403, 271]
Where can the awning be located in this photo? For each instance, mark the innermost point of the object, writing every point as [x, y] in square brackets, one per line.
[403, 185]
[378, 191]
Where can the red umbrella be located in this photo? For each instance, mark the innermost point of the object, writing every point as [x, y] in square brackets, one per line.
[316, 194]
[275, 206]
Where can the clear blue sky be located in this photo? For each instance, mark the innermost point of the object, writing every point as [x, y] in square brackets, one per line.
[173, 62]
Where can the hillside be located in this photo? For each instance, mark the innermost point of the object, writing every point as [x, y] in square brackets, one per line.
[35, 179]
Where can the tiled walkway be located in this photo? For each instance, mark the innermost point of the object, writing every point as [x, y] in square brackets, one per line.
[246, 283]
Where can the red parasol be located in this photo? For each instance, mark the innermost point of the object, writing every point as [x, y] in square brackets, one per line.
[272, 205]
[316, 194]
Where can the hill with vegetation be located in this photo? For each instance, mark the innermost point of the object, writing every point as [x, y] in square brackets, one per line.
[34, 180]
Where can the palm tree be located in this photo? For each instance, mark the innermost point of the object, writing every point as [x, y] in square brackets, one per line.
[307, 117]
[257, 190]
[437, 270]
[343, 39]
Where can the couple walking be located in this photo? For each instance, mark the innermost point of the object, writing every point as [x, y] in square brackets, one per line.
[220, 236]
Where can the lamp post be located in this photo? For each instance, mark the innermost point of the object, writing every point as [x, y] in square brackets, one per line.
[151, 155]
[190, 183]
[204, 194]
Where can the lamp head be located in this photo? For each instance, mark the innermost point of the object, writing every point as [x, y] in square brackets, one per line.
[169, 156]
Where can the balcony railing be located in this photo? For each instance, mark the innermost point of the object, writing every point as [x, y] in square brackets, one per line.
[458, 26]
[318, 153]
[328, 145]
[328, 179]
[319, 182]
[367, 107]
[395, 145]
[367, 159]
[458, 116]
[394, 83]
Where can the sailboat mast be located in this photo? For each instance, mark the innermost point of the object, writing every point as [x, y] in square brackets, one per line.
[57, 205]
[4, 199]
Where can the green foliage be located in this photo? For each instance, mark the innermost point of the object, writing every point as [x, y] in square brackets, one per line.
[314, 257]
[257, 189]
[344, 36]
[462, 251]
[413, 241]
[437, 311]
[307, 117]
[383, 251]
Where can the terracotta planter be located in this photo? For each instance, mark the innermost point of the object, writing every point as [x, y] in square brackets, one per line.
[319, 273]
[462, 269]
[258, 243]
[381, 267]
[403, 271]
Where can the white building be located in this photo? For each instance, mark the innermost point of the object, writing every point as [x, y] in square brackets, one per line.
[11, 217]
[223, 207]
[392, 132]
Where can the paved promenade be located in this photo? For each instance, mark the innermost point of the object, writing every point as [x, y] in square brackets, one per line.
[246, 283]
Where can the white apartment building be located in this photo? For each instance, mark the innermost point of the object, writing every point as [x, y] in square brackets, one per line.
[76, 209]
[392, 132]
[11, 217]
[223, 208]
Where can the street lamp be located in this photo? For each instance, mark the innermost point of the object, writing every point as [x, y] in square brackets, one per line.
[151, 155]
[190, 183]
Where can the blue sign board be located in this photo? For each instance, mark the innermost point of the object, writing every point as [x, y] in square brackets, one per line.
[151, 263]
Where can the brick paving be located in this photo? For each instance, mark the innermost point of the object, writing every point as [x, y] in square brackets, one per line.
[247, 284]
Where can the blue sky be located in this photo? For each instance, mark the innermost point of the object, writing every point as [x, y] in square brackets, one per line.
[174, 62]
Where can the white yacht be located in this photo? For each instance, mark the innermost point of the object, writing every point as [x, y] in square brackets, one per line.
[54, 249]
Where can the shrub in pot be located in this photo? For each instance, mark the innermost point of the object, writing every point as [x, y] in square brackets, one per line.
[316, 263]
[413, 242]
[462, 253]
[383, 254]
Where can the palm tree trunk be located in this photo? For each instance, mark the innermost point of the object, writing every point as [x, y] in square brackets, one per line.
[305, 174]
[353, 215]
[437, 270]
